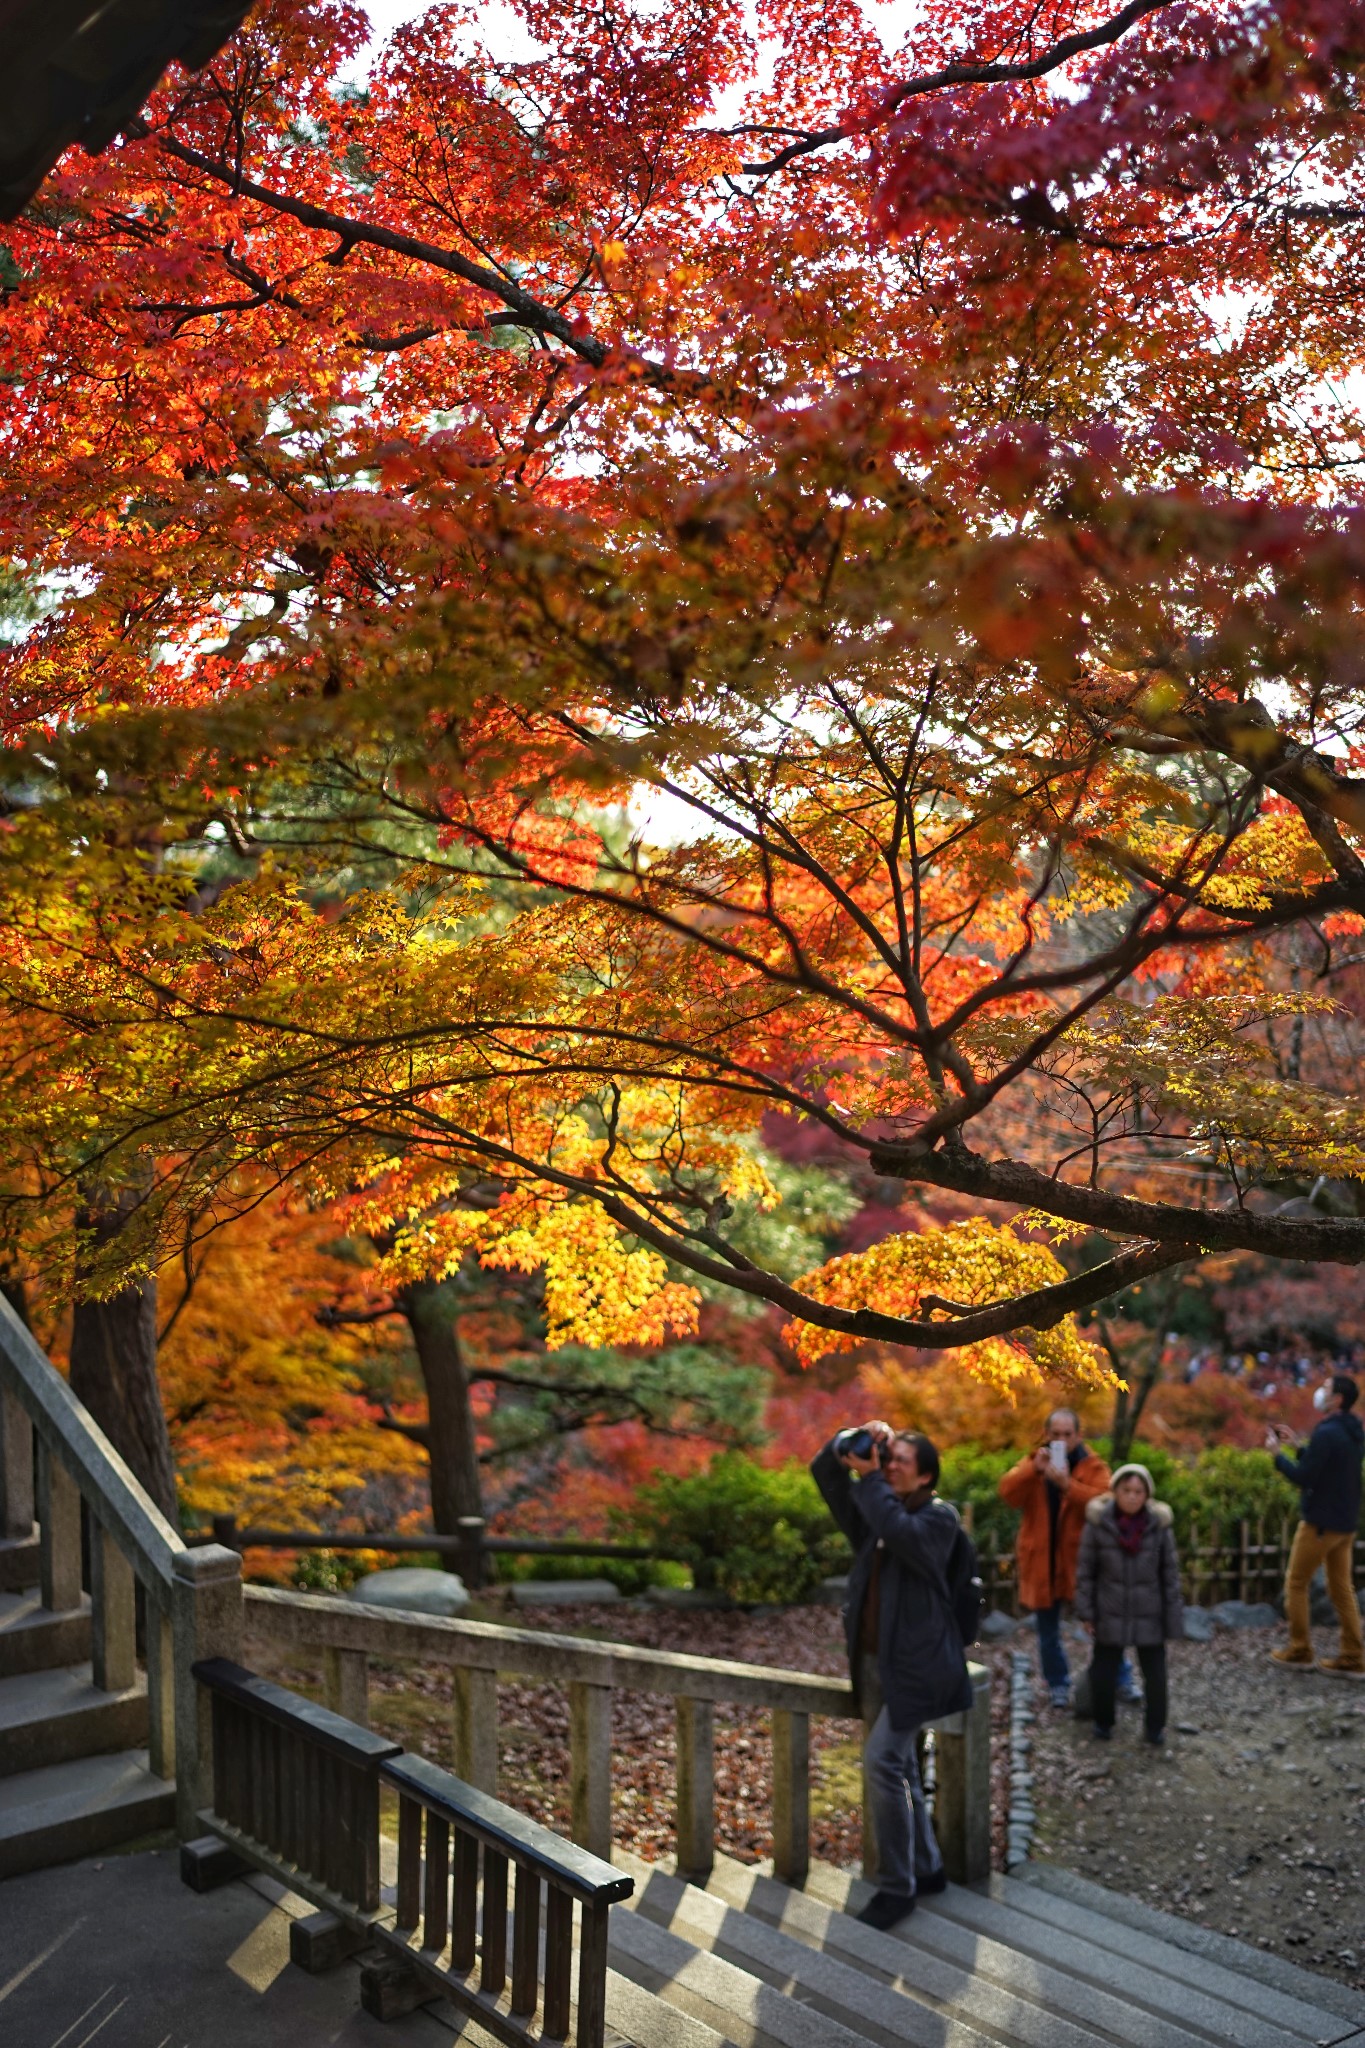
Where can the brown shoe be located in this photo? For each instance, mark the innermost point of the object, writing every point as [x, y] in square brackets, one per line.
[1341, 1667]
[1300, 1660]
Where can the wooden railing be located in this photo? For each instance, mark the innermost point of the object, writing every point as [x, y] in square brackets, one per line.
[88, 1505]
[469, 1551]
[347, 1634]
[296, 1792]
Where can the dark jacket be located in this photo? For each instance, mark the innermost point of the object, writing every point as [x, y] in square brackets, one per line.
[1130, 1598]
[921, 1663]
[1327, 1470]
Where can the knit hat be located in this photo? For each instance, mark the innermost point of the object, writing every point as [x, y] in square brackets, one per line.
[1134, 1472]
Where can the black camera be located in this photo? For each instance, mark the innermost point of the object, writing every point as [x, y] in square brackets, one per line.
[858, 1443]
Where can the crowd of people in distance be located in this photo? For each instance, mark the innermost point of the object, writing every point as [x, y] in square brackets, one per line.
[1268, 1371]
[1097, 1542]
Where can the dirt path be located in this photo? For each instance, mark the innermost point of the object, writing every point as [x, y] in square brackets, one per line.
[1250, 1821]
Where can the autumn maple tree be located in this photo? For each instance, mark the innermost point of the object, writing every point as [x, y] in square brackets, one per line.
[725, 565]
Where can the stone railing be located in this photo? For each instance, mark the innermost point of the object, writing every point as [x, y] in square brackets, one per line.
[186, 1605]
[191, 1600]
[347, 1634]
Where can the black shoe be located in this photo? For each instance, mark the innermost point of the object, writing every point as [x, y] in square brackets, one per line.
[1156, 1738]
[884, 1909]
[1101, 1734]
[925, 1887]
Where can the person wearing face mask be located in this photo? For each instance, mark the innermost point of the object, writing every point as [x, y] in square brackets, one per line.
[1327, 1473]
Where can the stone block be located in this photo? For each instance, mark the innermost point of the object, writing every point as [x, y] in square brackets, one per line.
[1198, 1625]
[388, 1989]
[416, 1588]
[1243, 1614]
[565, 1593]
[205, 1863]
[320, 1942]
[997, 1627]
[832, 1592]
[689, 1599]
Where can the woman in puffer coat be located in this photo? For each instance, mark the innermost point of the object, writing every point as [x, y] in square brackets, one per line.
[1128, 1591]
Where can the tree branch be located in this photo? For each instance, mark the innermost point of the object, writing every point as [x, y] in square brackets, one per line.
[1059, 53]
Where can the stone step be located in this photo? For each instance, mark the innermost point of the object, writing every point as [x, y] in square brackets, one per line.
[645, 2020]
[77, 1809]
[49, 1717]
[1091, 1987]
[833, 1985]
[34, 1639]
[1150, 1976]
[1239, 1956]
[1295, 2014]
[19, 1563]
[744, 2011]
[1005, 2013]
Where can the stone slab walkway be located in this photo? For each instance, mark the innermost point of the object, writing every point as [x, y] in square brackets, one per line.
[117, 1953]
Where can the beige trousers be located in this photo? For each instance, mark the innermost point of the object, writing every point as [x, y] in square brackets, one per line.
[1332, 1549]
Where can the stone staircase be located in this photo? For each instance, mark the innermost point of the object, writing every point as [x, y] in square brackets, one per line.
[74, 1776]
[1044, 1960]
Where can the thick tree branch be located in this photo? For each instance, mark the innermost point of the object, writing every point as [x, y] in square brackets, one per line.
[1059, 53]
[529, 311]
[1337, 1240]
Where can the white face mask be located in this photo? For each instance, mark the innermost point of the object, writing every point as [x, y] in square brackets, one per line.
[1321, 1396]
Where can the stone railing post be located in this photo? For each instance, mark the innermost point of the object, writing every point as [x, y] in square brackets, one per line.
[346, 1684]
[696, 1788]
[590, 1766]
[16, 1470]
[160, 1688]
[206, 1621]
[791, 1796]
[113, 1614]
[59, 1518]
[962, 1799]
[476, 1727]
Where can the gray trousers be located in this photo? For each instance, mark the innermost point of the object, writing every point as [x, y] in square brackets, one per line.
[907, 1851]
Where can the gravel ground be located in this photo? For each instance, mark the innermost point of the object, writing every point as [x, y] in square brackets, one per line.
[1251, 1820]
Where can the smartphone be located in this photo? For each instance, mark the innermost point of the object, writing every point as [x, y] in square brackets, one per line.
[1056, 1452]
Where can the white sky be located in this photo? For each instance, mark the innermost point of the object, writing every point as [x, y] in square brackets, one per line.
[508, 37]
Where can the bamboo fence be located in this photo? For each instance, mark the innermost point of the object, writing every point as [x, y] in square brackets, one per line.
[1219, 1560]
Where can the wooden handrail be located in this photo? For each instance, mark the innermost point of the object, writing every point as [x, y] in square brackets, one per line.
[285, 1709]
[295, 1788]
[296, 1793]
[502, 1828]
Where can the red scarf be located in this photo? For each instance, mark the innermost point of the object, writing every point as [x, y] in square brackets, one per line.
[1132, 1529]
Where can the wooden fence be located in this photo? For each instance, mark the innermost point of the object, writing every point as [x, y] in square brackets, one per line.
[1220, 1560]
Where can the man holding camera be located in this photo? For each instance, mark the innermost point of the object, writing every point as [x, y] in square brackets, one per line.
[1052, 1486]
[905, 1650]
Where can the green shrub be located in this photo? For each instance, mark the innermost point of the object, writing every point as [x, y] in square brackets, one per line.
[756, 1533]
[327, 1571]
[970, 1476]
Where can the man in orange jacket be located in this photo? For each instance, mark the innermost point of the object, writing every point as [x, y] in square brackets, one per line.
[1052, 1487]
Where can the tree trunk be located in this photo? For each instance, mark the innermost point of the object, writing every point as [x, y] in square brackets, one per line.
[113, 1364]
[451, 1451]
